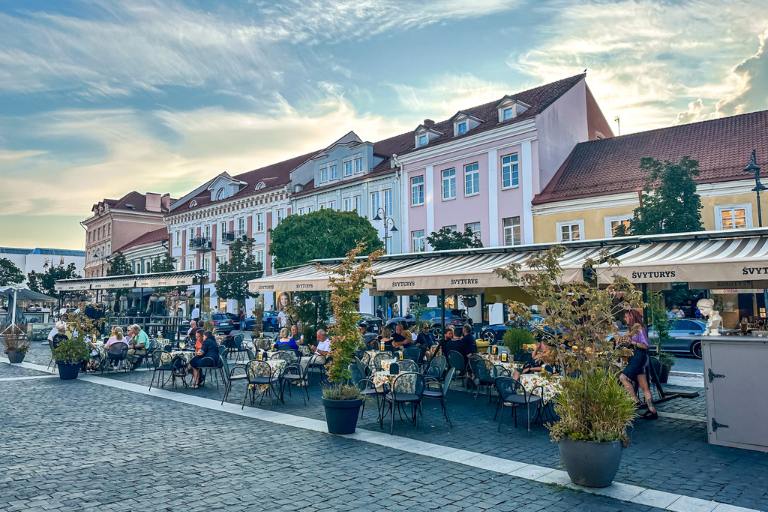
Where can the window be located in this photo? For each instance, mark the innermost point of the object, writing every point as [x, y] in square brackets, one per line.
[510, 174]
[474, 227]
[461, 128]
[149, 266]
[177, 238]
[418, 242]
[570, 231]
[358, 164]
[241, 225]
[309, 209]
[351, 203]
[613, 223]
[511, 226]
[206, 263]
[471, 179]
[191, 235]
[388, 209]
[333, 170]
[423, 140]
[279, 215]
[259, 222]
[375, 203]
[735, 216]
[222, 230]
[331, 205]
[449, 184]
[452, 227]
[259, 254]
[507, 114]
[220, 194]
[417, 190]
[323, 174]
[346, 167]
[301, 210]
[207, 231]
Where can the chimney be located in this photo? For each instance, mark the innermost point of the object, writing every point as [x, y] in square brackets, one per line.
[152, 202]
[165, 202]
[429, 123]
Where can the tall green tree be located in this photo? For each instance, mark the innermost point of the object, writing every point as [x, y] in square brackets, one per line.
[233, 275]
[45, 282]
[669, 202]
[119, 266]
[165, 263]
[10, 273]
[446, 238]
[322, 234]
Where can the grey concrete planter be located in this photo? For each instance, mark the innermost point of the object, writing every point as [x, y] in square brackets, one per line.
[589, 463]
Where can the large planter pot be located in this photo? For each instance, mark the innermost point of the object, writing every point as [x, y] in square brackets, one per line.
[589, 463]
[664, 373]
[68, 371]
[15, 357]
[341, 415]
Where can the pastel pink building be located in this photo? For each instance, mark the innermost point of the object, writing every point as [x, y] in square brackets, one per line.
[481, 168]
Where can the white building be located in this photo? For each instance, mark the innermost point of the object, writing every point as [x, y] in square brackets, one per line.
[40, 259]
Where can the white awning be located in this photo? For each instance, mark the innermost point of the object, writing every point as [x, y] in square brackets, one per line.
[474, 271]
[313, 278]
[156, 280]
[695, 261]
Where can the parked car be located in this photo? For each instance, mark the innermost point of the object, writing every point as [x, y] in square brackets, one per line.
[270, 323]
[456, 318]
[494, 333]
[235, 320]
[682, 327]
[373, 322]
[222, 323]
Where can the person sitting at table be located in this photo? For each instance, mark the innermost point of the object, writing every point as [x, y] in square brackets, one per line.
[206, 355]
[401, 338]
[116, 337]
[467, 343]
[191, 331]
[538, 355]
[449, 343]
[385, 337]
[320, 350]
[424, 340]
[137, 345]
[638, 363]
[297, 338]
[286, 342]
[368, 337]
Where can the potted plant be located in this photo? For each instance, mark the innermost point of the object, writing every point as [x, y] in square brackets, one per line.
[666, 362]
[342, 400]
[515, 338]
[16, 343]
[579, 327]
[70, 354]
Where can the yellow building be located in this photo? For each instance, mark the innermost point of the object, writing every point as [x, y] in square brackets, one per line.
[598, 186]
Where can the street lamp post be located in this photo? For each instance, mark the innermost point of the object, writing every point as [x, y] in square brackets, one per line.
[754, 169]
[389, 225]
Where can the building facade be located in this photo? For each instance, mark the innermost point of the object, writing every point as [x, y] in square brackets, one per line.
[598, 187]
[115, 222]
[40, 259]
[141, 252]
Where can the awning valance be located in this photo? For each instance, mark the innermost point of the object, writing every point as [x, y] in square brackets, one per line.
[474, 271]
[155, 280]
[694, 261]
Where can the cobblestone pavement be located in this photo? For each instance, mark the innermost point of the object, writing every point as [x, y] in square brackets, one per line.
[668, 454]
[81, 446]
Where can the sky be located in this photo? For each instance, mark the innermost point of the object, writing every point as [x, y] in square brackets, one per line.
[100, 98]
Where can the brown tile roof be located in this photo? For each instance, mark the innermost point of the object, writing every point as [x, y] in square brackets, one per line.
[611, 166]
[158, 235]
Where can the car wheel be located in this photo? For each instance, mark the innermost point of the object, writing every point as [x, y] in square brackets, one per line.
[696, 349]
[489, 336]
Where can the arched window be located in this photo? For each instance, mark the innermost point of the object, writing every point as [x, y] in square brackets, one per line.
[220, 194]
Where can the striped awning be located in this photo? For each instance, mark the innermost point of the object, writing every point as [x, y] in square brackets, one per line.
[474, 271]
[693, 261]
[156, 280]
[314, 278]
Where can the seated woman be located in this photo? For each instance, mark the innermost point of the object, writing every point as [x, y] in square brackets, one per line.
[116, 337]
[206, 355]
[286, 342]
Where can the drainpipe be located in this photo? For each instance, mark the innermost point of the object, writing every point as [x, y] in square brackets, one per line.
[396, 163]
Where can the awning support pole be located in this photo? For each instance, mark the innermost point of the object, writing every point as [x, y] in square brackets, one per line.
[442, 312]
[644, 287]
[201, 295]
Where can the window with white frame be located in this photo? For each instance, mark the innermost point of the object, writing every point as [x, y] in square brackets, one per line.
[418, 242]
[471, 179]
[207, 232]
[259, 255]
[512, 234]
[570, 231]
[222, 230]
[451, 227]
[346, 167]
[177, 238]
[388, 208]
[323, 174]
[510, 171]
[301, 210]
[190, 264]
[615, 223]
[417, 190]
[241, 225]
[461, 128]
[191, 235]
[309, 209]
[733, 216]
[331, 205]
[474, 227]
[358, 164]
[448, 183]
[280, 213]
[206, 263]
[375, 203]
[259, 222]
[350, 204]
[507, 113]
[333, 171]
[423, 140]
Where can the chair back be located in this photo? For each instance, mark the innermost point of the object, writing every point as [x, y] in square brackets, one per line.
[224, 363]
[479, 369]
[158, 361]
[289, 356]
[437, 367]
[379, 357]
[457, 360]
[507, 386]
[408, 365]
[357, 372]
[251, 355]
[256, 369]
[412, 353]
[365, 358]
[238, 341]
[447, 381]
[117, 350]
[410, 383]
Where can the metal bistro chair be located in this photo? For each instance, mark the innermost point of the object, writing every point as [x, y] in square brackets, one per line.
[116, 355]
[294, 374]
[217, 368]
[379, 357]
[437, 390]
[259, 374]
[456, 360]
[436, 367]
[408, 365]
[230, 374]
[407, 388]
[481, 375]
[163, 363]
[412, 353]
[512, 394]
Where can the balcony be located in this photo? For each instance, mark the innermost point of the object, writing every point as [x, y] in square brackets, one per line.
[230, 236]
[200, 244]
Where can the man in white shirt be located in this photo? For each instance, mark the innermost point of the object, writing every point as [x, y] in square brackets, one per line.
[320, 350]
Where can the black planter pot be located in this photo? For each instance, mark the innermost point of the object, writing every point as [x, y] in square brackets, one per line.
[664, 373]
[341, 415]
[589, 463]
[68, 371]
[15, 356]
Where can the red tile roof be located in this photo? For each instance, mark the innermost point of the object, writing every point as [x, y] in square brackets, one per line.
[611, 166]
[158, 235]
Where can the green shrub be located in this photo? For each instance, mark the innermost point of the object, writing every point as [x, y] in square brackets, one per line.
[665, 358]
[341, 392]
[516, 337]
[593, 407]
[71, 351]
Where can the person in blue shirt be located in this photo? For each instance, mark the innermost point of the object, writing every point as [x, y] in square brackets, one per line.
[206, 355]
[286, 342]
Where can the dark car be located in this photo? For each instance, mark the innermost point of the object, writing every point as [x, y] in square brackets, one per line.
[456, 318]
[222, 323]
[494, 333]
[270, 323]
[235, 320]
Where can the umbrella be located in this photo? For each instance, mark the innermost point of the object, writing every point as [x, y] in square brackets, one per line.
[27, 295]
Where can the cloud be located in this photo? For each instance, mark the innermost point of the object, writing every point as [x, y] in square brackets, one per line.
[751, 79]
[7, 155]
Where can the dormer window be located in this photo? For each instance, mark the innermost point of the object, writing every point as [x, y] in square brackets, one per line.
[510, 108]
[423, 140]
[464, 123]
[461, 128]
[507, 113]
[425, 133]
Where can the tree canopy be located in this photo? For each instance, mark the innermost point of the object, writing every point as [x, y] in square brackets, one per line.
[669, 202]
[165, 263]
[119, 266]
[447, 238]
[45, 282]
[322, 234]
[233, 275]
[10, 273]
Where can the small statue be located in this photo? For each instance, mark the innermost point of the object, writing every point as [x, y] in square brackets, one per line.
[714, 320]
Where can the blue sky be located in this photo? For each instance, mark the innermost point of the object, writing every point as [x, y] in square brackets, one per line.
[99, 98]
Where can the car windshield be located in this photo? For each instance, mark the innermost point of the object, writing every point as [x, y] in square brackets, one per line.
[219, 316]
